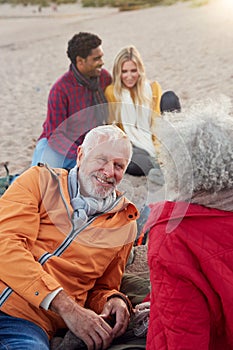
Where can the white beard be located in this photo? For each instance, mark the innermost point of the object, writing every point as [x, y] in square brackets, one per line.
[90, 190]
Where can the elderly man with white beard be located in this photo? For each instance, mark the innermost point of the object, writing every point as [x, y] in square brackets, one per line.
[65, 239]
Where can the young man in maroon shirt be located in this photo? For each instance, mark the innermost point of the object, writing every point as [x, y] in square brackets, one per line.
[76, 103]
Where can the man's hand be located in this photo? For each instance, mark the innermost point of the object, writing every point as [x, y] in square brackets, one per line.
[117, 308]
[84, 323]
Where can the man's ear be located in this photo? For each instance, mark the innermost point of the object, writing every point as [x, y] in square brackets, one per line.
[79, 155]
[79, 62]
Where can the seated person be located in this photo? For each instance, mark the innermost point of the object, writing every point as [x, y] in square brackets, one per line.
[134, 106]
[190, 251]
[65, 240]
[76, 103]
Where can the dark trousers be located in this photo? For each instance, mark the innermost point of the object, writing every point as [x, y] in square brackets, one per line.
[141, 163]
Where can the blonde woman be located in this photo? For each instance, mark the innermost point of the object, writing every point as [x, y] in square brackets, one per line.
[134, 106]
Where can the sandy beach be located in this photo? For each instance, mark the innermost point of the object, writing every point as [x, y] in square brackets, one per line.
[186, 49]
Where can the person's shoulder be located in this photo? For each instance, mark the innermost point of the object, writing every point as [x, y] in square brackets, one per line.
[109, 89]
[27, 181]
[54, 172]
[105, 77]
[62, 77]
[37, 180]
[109, 93]
[63, 81]
[42, 169]
[156, 90]
[44, 176]
[155, 85]
[33, 173]
[105, 73]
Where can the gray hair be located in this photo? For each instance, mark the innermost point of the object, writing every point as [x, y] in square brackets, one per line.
[106, 133]
[196, 149]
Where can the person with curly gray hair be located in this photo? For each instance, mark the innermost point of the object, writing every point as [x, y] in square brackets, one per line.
[190, 241]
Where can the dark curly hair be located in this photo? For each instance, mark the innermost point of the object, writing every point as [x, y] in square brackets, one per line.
[81, 45]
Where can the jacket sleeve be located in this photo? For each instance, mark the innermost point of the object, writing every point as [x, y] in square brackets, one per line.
[109, 94]
[157, 93]
[60, 126]
[113, 107]
[105, 78]
[110, 282]
[19, 229]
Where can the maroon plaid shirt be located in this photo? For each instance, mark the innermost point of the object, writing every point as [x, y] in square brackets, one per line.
[68, 118]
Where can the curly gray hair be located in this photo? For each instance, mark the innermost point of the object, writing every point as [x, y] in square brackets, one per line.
[196, 149]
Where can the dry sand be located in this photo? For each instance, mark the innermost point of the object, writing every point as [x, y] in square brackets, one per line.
[187, 49]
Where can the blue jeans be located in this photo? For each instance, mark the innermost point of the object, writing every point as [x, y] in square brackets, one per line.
[20, 334]
[45, 154]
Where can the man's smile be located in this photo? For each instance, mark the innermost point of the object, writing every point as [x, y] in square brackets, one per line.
[105, 181]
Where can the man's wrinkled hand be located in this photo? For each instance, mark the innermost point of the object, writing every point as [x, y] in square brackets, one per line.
[116, 308]
[84, 323]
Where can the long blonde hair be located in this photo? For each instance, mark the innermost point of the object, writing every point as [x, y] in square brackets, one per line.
[130, 53]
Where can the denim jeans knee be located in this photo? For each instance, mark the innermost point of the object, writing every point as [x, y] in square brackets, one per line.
[19, 334]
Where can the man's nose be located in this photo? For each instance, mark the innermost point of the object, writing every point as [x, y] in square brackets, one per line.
[109, 168]
[101, 61]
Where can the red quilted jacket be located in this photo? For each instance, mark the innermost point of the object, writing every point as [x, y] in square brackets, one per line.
[190, 256]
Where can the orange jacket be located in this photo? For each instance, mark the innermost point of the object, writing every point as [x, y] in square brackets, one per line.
[40, 251]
